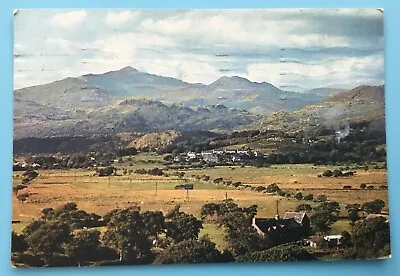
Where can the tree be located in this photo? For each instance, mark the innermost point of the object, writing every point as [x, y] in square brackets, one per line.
[48, 239]
[154, 222]
[353, 215]
[282, 253]
[331, 207]
[337, 173]
[191, 251]
[18, 188]
[18, 244]
[32, 227]
[321, 198]
[22, 197]
[373, 207]
[298, 196]
[83, 245]
[371, 238]
[327, 173]
[126, 233]
[273, 188]
[241, 236]
[321, 221]
[309, 197]
[181, 226]
[346, 239]
[363, 186]
[303, 207]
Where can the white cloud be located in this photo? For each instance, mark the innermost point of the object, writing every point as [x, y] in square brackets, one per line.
[343, 71]
[248, 27]
[69, 20]
[117, 19]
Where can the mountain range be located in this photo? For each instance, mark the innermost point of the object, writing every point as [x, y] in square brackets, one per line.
[128, 100]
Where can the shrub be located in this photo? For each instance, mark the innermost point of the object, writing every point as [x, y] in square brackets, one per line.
[327, 173]
[299, 196]
[309, 197]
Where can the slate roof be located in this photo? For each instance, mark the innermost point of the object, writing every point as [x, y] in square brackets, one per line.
[297, 216]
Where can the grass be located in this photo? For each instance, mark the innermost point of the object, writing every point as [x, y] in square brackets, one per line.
[216, 235]
[339, 226]
[101, 194]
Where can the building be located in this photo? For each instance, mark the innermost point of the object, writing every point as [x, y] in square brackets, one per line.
[292, 227]
[211, 158]
[299, 217]
[191, 155]
[316, 241]
[333, 240]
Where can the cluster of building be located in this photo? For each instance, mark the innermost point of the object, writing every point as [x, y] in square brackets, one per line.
[228, 155]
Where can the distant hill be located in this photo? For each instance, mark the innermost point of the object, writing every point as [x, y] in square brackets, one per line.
[325, 91]
[129, 115]
[363, 103]
[102, 89]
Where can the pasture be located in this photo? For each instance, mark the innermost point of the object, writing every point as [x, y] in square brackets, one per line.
[53, 188]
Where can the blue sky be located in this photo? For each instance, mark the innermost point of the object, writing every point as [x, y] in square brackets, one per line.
[295, 49]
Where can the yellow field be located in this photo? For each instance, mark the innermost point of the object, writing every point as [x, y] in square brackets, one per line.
[53, 188]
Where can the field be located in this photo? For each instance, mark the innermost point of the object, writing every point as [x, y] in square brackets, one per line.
[53, 188]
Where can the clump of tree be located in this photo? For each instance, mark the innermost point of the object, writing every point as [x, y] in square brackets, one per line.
[353, 210]
[303, 207]
[308, 197]
[46, 239]
[181, 226]
[321, 198]
[126, 233]
[282, 253]
[83, 245]
[22, 197]
[226, 207]
[69, 213]
[373, 207]
[29, 175]
[298, 196]
[273, 188]
[18, 188]
[107, 171]
[371, 239]
[153, 171]
[325, 214]
[18, 243]
[193, 251]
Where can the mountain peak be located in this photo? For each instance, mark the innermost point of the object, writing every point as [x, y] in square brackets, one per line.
[128, 69]
[225, 80]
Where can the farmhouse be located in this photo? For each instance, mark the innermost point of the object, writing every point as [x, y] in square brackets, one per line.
[293, 226]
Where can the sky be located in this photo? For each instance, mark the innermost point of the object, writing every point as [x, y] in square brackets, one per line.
[293, 49]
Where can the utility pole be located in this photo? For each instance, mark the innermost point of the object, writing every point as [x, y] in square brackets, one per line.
[130, 183]
[187, 194]
[75, 176]
[226, 195]
[277, 209]
[109, 179]
[156, 188]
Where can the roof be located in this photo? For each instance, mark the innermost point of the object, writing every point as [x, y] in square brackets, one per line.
[297, 216]
[316, 239]
[333, 237]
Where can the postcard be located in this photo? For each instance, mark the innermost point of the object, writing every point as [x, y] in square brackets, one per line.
[162, 136]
